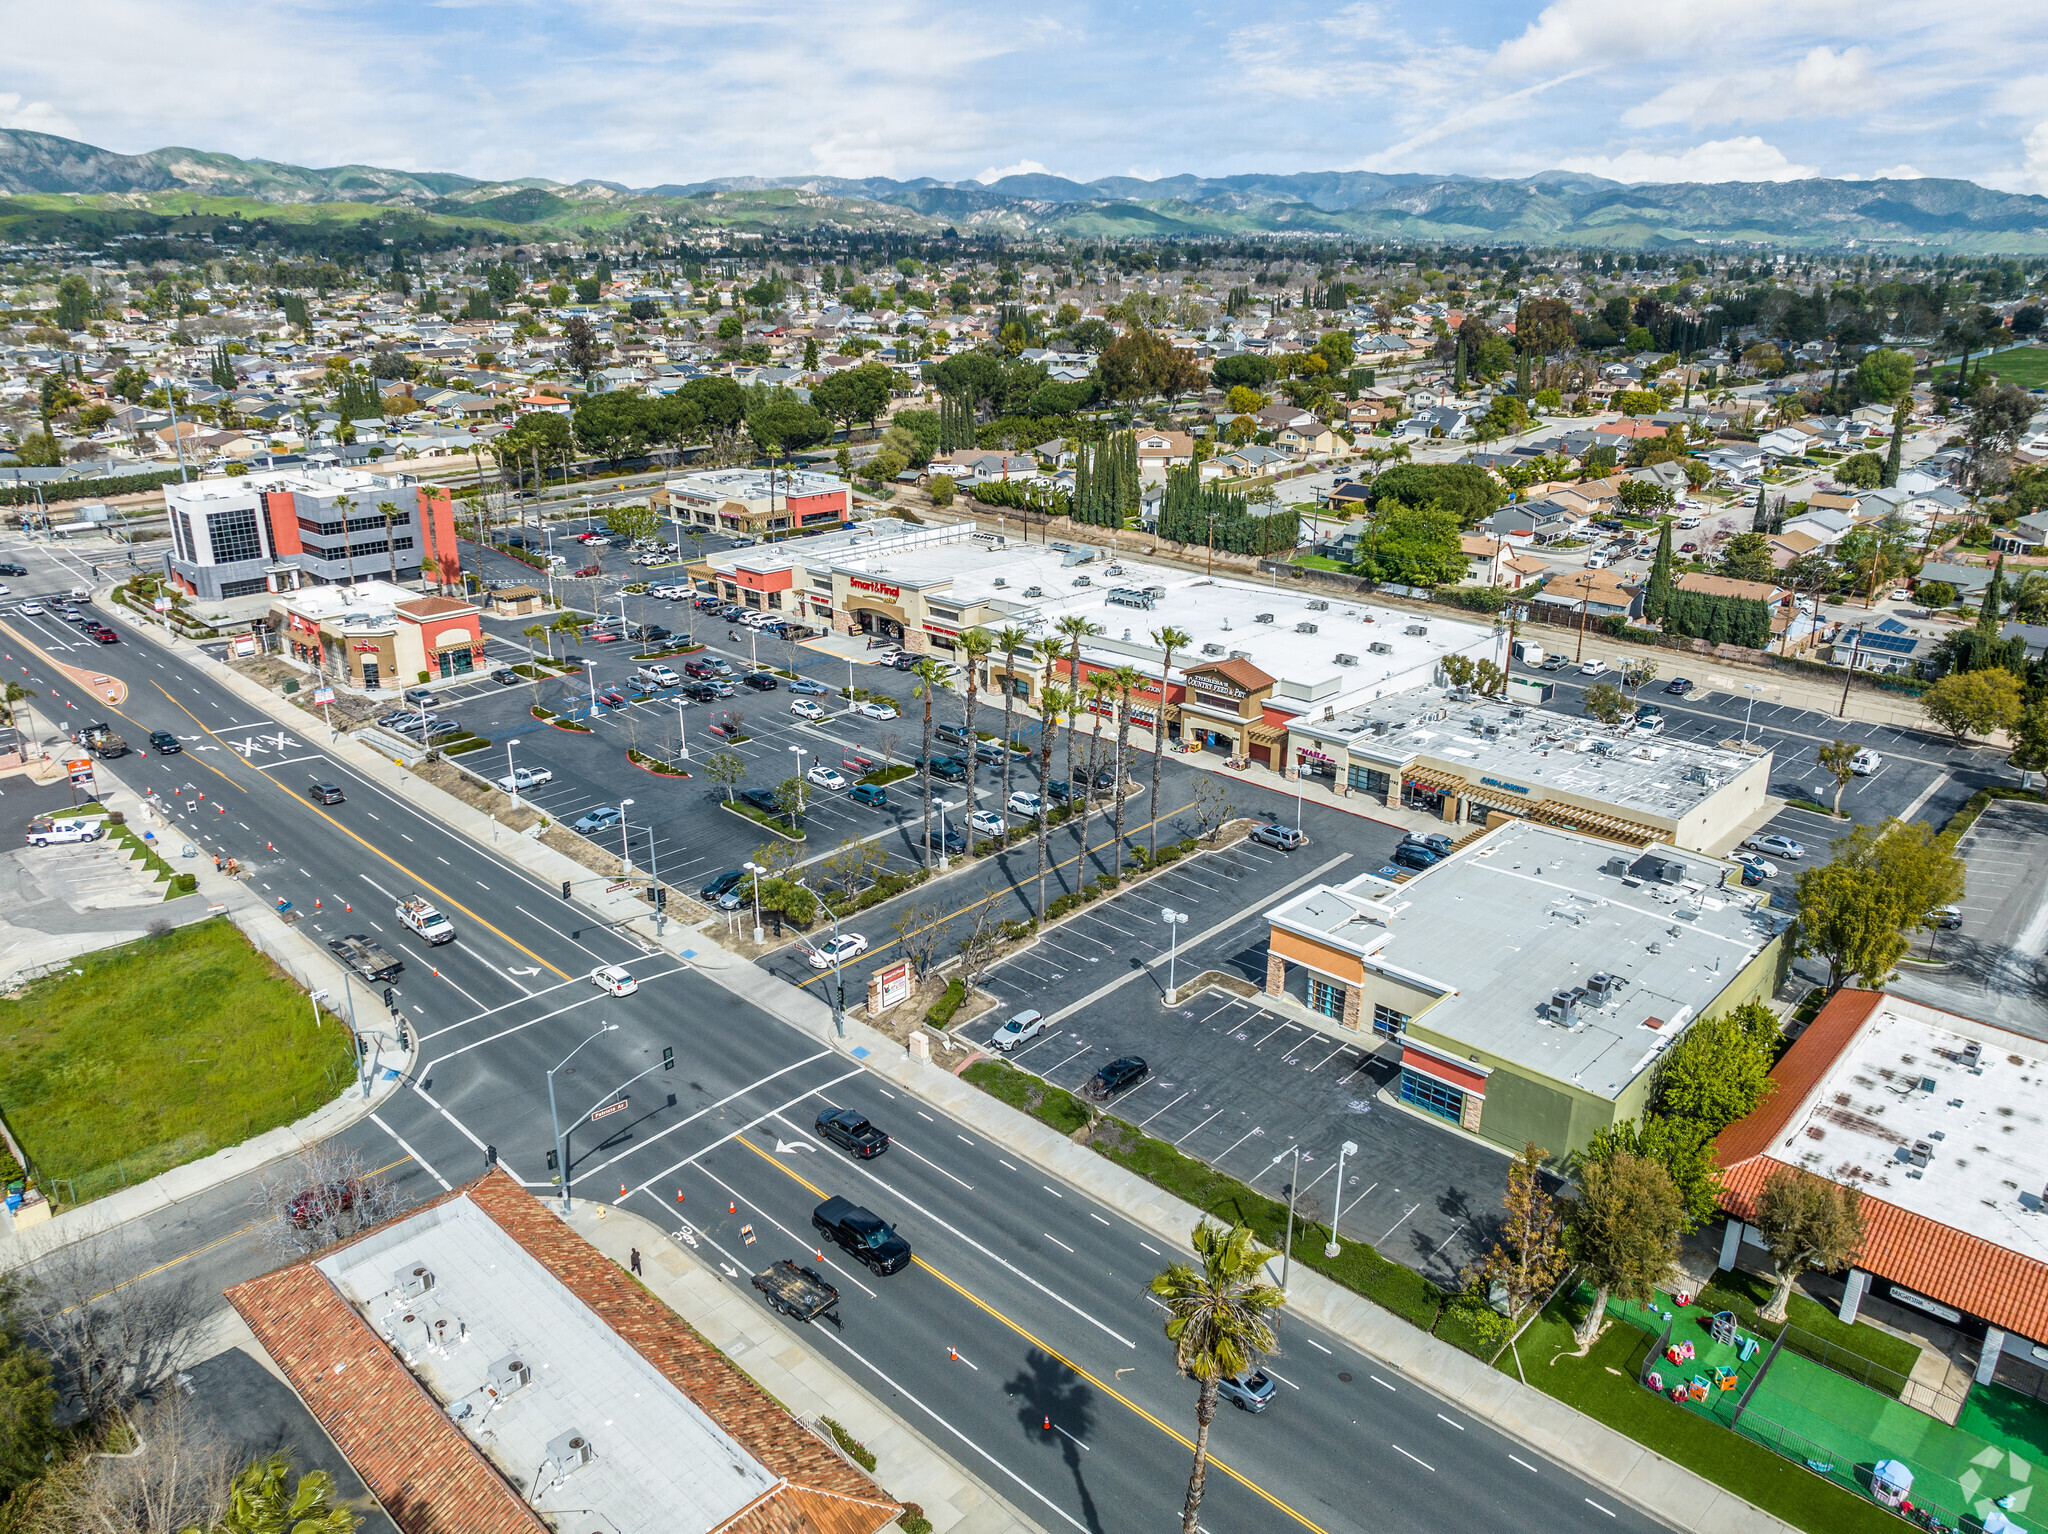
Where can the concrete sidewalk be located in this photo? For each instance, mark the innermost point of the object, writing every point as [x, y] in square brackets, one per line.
[798, 1371]
[1663, 1489]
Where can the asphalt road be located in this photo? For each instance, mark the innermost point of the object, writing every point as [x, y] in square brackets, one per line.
[1039, 1293]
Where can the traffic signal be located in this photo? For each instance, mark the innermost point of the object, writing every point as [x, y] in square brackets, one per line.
[554, 1165]
[404, 1038]
[362, 1047]
[390, 999]
[490, 1155]
[668, 1059]
[565, 889]
[661, 897]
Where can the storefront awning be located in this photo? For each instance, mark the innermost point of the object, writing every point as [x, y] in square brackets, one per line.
[455, 642]
[1592, 823]
[1434, 778]
[1266, 735]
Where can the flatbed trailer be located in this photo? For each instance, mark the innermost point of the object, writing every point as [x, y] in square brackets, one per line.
[795, 1291]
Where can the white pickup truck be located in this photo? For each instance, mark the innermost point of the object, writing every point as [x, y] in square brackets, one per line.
[426, 921]
[657, 676]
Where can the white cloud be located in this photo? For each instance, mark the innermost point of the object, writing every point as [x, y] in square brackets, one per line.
[1021, 168]
[2034, 174]
[1729, 159]
[1899, 173]
[1823, 83]
[33, 116]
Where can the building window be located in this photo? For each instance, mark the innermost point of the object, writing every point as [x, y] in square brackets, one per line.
[1325, 997]
[1370, 780]
[1432, 1096]
[233, 535]
[244, 588]
[1387, 1021]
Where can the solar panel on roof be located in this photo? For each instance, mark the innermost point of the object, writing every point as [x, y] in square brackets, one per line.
[1891, 644]
[1891, 626]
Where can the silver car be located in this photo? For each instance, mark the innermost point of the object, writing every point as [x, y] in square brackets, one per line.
[1249, 1392]
[1025, 1025]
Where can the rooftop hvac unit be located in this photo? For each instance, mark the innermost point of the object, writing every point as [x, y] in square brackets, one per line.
[1034, 591]
[1380, 647]
[409, 1331]
[1263, 618]
[1084, 580]
[1347, 660]
[1617, 865]
[1318, 606]
[1212, 649]
[508, 1376]
[1563, 1007]
[1240, 655]
[444, 1329]
[1156, 593]
[568, 1453]
[412, 1281]
[1304, 628]
[1605, 987]
[1973, 1052]
[1921, 1153]
[1417, 631]
[1000, 583]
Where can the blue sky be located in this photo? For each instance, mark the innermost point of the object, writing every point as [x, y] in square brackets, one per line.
[651, 91]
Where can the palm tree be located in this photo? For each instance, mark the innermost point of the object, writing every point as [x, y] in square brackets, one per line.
[568, 625]
[1217, 1323]
[1074, 628]
[1168, 639]
[929, 679]
[1101, 688]
[1052, 699]
[539, 631]
[264, 1498]
[1009, 640]
[12, 694]
[1126, 678]
[975, 645]
[345, 505]
[390, 511]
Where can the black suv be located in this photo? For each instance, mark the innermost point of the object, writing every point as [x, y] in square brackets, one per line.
[762, 799]
[165, 742]
[951, 768]
[760, 681]
[724, 884]
[13, 569]
[1410, 856]
[865, 1235]
[850, 1130]
[1116, 1077]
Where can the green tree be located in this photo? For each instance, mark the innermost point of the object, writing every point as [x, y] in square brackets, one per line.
[1607, 703]
[789, 800]
[76, 304]
[1218, 1319]
[931, 676]
[941, 489]
[1884, 377]
[1719, 1070]
[39, 450]
[1684, 1149]
[1414, 545]
[1865, 471]
[1807, 1222]
[1967, 703]
[1747, 557]
[1528, 1257]
[1855, 910]
[1168, 639]
[2030, 742]
[1465, 490]
[1838, 760]
[1622, 1228]
[1657, 594]
[264, 1500]
[727, 769]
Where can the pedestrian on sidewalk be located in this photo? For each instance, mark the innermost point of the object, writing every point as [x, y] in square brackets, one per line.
[636, 1260]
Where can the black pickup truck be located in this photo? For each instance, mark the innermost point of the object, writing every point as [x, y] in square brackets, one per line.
[863, 1234]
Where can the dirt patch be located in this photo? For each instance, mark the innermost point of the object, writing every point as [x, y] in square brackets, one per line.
[569, 844]
[268, 671]
[475, 793]
[1220, 980]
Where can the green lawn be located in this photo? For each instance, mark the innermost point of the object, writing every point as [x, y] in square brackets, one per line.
[1818, 1332]
[2027, 367]
[162, 1051]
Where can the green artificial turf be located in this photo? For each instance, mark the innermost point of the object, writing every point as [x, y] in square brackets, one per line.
[162, 1051]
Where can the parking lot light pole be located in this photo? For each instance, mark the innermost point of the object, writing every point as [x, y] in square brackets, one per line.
[1293, 1187]
[838, 973]
[799, 752]
[1174, 920]
[1752, 689]
[561, 1146]
[756, 870]
[625, 847]
[510, 773]
[1348, 1148]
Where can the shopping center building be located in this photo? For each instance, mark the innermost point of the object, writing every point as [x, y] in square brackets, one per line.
[375, 635]
[1533, 979]
[1260, 662]
[754, 503]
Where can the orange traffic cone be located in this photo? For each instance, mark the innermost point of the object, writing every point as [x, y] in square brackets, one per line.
[316, 902]
[679, 1195]
[622, 1190]
[954, 1354]
[731, 1207]
[1048, 1422]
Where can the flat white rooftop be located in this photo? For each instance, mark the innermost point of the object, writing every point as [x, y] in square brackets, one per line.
[658, 1464]
[1910, 1079]
[752, 484]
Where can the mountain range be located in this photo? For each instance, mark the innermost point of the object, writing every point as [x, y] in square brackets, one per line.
[41, 173]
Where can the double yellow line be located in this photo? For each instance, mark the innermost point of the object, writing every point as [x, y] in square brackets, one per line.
[1052, 1352]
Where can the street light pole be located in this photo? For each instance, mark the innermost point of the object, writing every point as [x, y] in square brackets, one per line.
[756, 870]
[1174, 920]
[1293, 1186]
[1348, 1148]
[511, 775]
[561, 1145]
[625, 847]
[838, 974]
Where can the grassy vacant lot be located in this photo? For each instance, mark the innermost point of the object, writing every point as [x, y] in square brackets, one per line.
[2027, 367]
[162, 1051]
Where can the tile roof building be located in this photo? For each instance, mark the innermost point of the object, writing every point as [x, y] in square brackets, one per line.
[1939, 1120]
[485, 1369]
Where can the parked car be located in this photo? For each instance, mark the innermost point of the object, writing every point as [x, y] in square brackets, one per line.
[1286, 838]
[13, 569]
[851, 1131]
[1554, 662]
[1762, 865]
[72, 828]
[1117, 1076]
[1024, 1026]
[657, 676]
[1866, 763]
[952, 840]
[989, 752]
[873, 795]
[1678, 686]
[762, 799]
[837, 950]
[1251, 1392]
[1946, 917]
[1439, 842]
[505, 676]
[1024, 804]
[165, 742]
[877, 708]
[950, 734]
[827, 777]
[1777, 847]
[1593, 668]
[613, 980]
[326, 1202]
[986, 823]
[761, 681]
[1413, 858]
[724, 884]
[521, 778]
[805, 686]
[419, 695]
[804, 708]
[952, 769]
[599, 819]
[324, 793]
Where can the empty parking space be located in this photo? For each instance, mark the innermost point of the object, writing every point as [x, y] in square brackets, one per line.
[1995, 964]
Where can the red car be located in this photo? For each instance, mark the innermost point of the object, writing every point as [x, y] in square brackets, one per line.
[611, 697]
[317, 1204]
[587, 572]
[1688, 548]
[105, 635]
[606, 636]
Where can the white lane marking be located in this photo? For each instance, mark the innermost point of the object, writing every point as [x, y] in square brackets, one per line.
[1317, 1345]
[1439, 1417]
[1055, 1240]
[1152, 1249]
[446, 1185]
[1098, 1219]
[1283, 1379]
[762, 1118]
[1596, 1507]
[1525, 1464]
[1380, 1382]
[1071, 1438]
[1051, 1189]
[1425, 1464]
[963, 1139]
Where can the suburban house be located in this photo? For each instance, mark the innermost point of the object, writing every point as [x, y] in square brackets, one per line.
[1788, 546]
[1437, 420]
[1735, 460]
[1159, 451]
[1250, 461]
[1302, 441]
[1785, 442]
[2028, 535]
[1823, 526]
[1539, 521]
[1847, 501]
[1595, 593]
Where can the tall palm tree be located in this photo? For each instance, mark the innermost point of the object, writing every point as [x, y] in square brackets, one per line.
[1217, 1321]
[1101, 689]
[929, 680]
[1126, 679]
[1009, 640]
[390, 511]
[1073, 629]
[975, 645]
[1052, 698]
[539, 631]
[345, 505]
[1168, 639]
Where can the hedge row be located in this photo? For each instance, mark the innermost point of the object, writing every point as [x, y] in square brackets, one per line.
[886, 887]
[89, 489]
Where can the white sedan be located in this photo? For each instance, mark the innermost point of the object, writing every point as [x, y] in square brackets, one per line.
[1593, 668]
[986, 823]
[1024, 804]
[1762, 865]
[878, 708]
[826, 777]
[837, 950]
[613, 981]
[804, 708]
[30, 609]
[525, 777]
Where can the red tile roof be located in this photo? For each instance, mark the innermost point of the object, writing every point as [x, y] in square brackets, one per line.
[1961, 1270]
[430, 1477]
